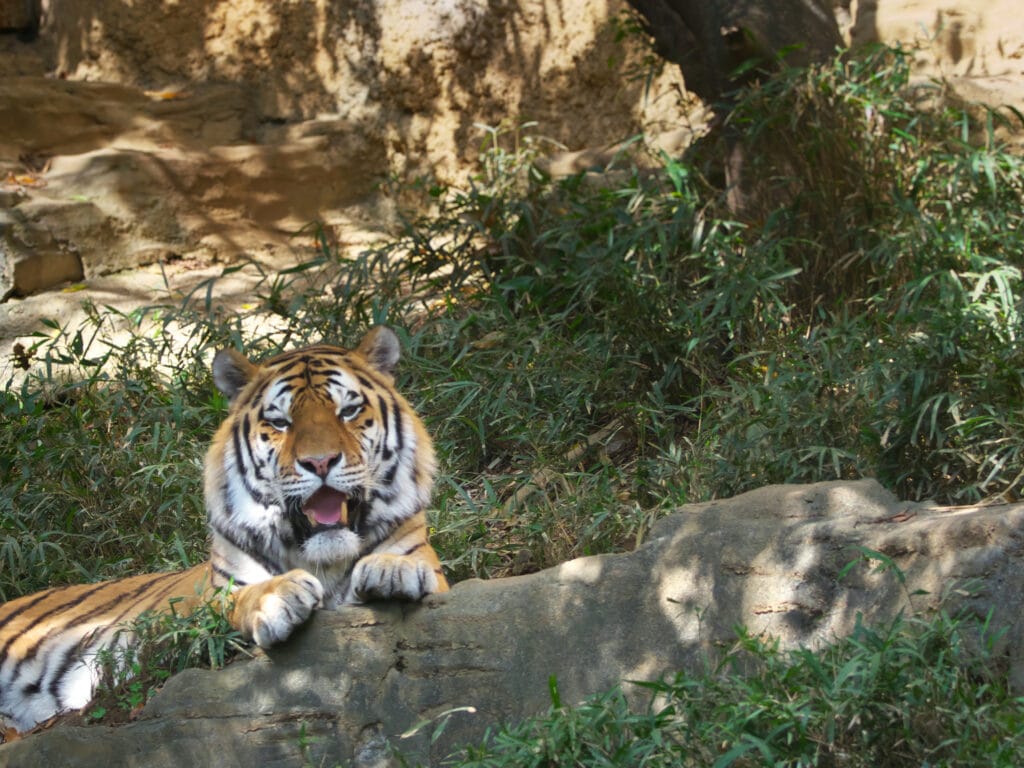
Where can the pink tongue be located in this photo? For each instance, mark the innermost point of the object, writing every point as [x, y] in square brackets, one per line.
[326, 507]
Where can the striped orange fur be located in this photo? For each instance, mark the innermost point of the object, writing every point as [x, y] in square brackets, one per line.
[315, 488]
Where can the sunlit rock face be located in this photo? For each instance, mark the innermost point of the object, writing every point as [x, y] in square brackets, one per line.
[348, 686]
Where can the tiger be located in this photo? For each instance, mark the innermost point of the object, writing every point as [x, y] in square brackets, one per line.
[315, 487]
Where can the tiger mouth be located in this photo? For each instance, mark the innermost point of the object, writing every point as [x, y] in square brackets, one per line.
[327, 508]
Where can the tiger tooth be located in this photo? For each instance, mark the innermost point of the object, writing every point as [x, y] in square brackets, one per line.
[344, 513]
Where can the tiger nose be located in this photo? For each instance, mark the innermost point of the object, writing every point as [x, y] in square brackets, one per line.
[319, 465]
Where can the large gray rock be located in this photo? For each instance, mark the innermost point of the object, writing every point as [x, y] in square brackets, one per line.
[348, 685]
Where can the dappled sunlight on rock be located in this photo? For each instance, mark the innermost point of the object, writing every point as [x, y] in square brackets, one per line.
[683, 595]
[802, 564]
[584, 570]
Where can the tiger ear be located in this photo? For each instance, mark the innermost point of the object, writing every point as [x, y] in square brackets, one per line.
[231, 372]
[381, 349]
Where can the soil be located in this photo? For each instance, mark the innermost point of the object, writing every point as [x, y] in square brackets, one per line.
[144, 147]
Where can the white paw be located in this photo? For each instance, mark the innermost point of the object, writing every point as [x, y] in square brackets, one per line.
[384, 577]
[292, 599]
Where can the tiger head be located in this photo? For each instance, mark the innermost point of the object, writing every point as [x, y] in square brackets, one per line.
[319, 460]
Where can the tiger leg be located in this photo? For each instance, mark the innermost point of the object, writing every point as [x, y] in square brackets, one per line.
[269, 611]
[404, 566]
[387, 576]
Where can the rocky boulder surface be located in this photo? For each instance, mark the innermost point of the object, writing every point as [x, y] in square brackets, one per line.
[347, 686]
[187, 135]
[135, 134]
[181, 137]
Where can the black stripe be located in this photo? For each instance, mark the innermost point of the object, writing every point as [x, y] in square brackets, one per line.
[375, 377]
[258, 395]
[415, 547]
[47, 614]
[240, 466]
[281, 385]
[242, 433]
[375, 533]
[145, 592]
[117, 599]
[319, 366]
[236, 443]
[385, 427]
[72, 656]
[228, 578]
[323, 357]
[102, 636]
[29, 602]
[301, 355]
[254, 493]
[289, 360]
[251, 543]
[387, 498]
[399, 425]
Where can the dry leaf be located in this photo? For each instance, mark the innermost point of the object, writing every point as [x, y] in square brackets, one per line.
[167, 95]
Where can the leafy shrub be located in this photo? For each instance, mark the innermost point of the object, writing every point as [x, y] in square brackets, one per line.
[164, 644]
[864, 323]
[592, 351]
[913, 692]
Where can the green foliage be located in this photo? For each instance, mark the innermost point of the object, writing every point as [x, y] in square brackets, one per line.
[100, 460]
[898, 354]
[910, 693]
[592, 351]
[864, 323]
[155, 646]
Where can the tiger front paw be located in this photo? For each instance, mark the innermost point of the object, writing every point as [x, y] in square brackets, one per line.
[389, 577]
[268, 612]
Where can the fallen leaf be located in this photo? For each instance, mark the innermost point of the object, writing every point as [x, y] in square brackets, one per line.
[25, 180]
[167, 95]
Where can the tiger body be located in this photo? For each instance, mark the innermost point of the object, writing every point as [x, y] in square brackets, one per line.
[315, 489]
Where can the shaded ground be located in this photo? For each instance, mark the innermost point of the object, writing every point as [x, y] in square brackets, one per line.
[195, 136]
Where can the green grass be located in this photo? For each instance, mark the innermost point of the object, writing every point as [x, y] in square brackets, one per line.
[590, 352]
[167, 643]
[916, 692]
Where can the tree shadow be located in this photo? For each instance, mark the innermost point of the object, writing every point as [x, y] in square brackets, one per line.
[231, 119]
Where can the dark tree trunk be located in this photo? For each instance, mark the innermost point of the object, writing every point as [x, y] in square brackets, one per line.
[711, 39]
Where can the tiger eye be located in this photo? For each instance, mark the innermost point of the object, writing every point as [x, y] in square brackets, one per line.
[349, 412]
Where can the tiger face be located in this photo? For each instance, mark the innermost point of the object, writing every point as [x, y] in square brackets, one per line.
[320, 463]
[316, 485]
